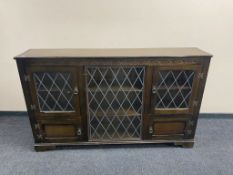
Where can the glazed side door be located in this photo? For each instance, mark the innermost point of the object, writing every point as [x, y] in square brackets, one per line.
[174, 89]
[173, 100]
[56, 102]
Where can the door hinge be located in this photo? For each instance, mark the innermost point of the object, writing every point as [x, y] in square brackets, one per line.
[26, 78]
[39, 136]
[201, 75]
[190, 122]
[195, 103]
[37, 126]
[189, 132]
[33, 107]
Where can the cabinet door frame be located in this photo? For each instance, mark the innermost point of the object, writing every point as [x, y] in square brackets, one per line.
[192, 100]
[75, 83]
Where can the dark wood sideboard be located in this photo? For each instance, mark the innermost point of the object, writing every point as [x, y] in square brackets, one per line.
[113, 96]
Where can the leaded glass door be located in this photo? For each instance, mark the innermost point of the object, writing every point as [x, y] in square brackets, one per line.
[55, 91]
[115, 102]
[174, 89]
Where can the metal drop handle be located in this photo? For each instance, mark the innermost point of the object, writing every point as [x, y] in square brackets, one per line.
[151, 130]
[79, 132]
[153, 90]
[75, 91]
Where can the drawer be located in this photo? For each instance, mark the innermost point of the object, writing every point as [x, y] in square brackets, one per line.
[59, 131]
[176, 128]
[55, 117]
[168, 128]
[168, 116]
[56, 130]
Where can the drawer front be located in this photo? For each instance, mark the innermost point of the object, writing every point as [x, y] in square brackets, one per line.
[59, 131]
[168, 128]
[176, 128]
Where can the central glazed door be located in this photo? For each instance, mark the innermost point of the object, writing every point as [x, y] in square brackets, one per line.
[115, 102]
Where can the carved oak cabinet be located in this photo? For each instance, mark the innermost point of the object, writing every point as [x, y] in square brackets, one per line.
[113, 96]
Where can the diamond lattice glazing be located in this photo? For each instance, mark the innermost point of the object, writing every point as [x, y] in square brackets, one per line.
[174, 88]
[115, 98]
[54, 91]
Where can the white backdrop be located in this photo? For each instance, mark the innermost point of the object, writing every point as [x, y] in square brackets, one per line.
[119, 23]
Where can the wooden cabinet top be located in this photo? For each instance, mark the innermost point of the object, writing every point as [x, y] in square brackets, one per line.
[109, 52]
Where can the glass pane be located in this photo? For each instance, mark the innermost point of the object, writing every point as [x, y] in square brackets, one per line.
[115, 99]
[174, 88]
[54, 91]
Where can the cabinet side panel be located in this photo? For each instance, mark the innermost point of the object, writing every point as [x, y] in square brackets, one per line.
[200, 90]
[26, 91]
